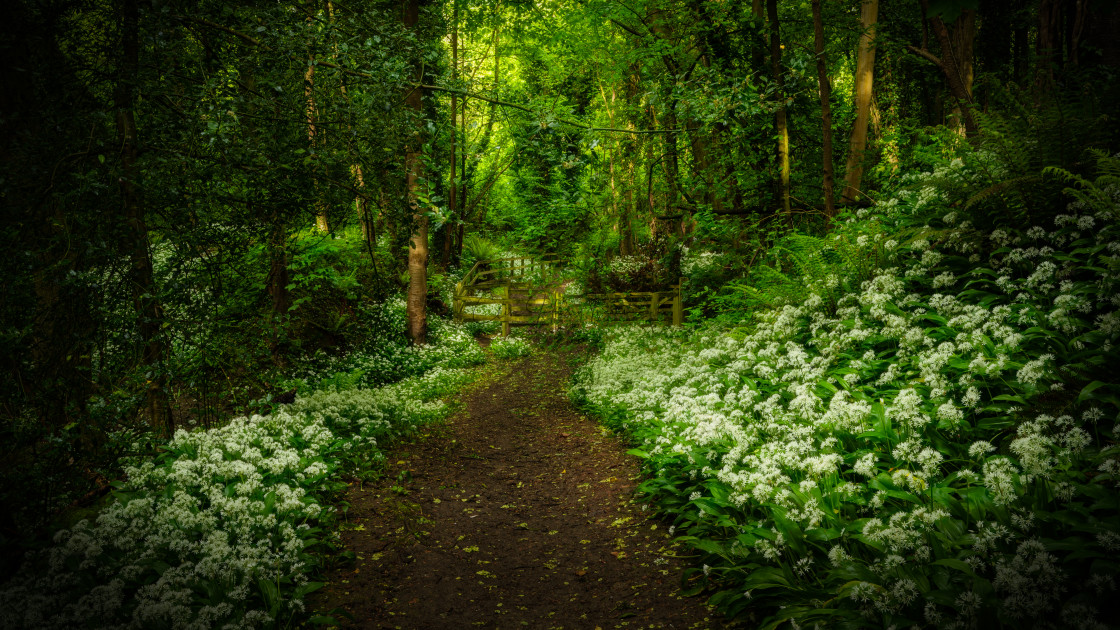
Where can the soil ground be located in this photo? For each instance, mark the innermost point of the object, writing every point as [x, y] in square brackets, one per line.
[518, 512]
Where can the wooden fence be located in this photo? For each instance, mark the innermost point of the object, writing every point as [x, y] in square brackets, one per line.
[528, 289]
[532, 292]
[651, 306]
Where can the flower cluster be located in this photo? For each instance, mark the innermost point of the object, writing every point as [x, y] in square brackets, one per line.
[510, 347]
[216, 532]
[388, 359]
[899, 435]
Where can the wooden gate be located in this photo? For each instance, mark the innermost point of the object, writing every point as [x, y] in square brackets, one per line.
[531, 291]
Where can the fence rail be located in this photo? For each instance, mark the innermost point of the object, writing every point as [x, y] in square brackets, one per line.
[531, 291]
[652, 306]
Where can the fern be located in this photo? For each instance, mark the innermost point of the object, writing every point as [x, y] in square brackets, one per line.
[1030, 135]
[1099, 194]
[481, 249]
[802, 264]
[999, 188]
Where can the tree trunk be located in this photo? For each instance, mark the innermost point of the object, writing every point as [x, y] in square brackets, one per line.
[781, 125]
[961, 38]
[672, 159]
[1078, 17]
[956, 65]
[865, 71]
[277, 285]
[1022, 53]
[1049, 36]
[149, 312]
[452, 209]
[321, 222]
[417, 307]
[363, 202]
[758, 50]
[826, 110]
[278, 278]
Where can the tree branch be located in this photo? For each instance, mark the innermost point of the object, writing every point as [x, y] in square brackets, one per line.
[573, 123]
[626, 28]
[927, 55]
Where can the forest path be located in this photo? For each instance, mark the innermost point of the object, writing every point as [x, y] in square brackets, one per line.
[515, 513]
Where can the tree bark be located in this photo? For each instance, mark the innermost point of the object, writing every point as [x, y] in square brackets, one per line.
[149, 312]
[961, 37]
[758, 49]
[452, 196]
[321, 222]
[417, 301]
[1047, 44]
[1077, 21]
[956, 65]
[278, 277]
[826, 110]
[781, 125]
[865, 72]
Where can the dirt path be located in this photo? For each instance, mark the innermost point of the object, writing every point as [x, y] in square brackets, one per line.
[516, 513]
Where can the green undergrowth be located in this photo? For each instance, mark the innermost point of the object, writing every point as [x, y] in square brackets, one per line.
[228, 526]
[935, 446]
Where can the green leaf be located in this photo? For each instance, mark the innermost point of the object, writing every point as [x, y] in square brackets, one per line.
[953, 563]
[1089, 389]
[709, 506]
[271, 595]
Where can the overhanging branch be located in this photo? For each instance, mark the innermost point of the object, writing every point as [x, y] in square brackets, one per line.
[436, 88]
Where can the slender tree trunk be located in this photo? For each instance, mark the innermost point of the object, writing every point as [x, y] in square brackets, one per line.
[826, 110]
[463, 165]
[278, 278]
[781, 125]
[1077, 22]
[961, 40]
[362, 203]
[865, 70]
[672, 158]
[154, 350]
[452, 209]
[321, 222]
[417, 306]
[1022, 53]
[1047, 44]
[616, 210]
[758, 50]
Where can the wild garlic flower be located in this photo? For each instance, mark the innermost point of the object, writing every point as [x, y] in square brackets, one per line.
[1033, 371]
[1000, 475]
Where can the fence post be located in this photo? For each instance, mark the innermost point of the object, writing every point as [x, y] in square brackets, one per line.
[555, 309]
[506, 314]
[457, 304]
[654, 302]
[678, 309]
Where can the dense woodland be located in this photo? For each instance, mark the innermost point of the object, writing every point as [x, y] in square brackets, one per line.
[231, 232]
